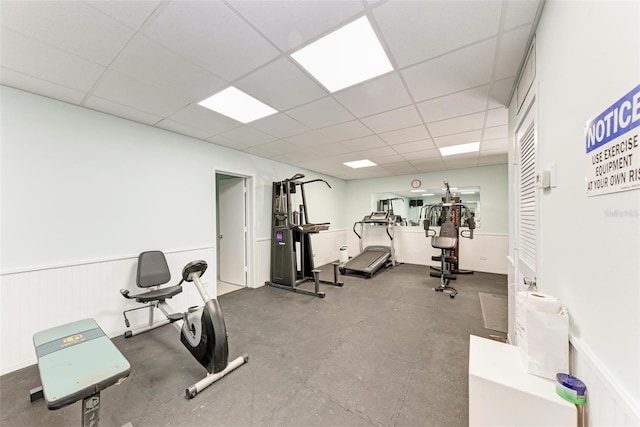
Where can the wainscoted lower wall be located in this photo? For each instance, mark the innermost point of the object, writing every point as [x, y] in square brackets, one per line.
[55, 295]
[262, 262]
[485, 252]
[325, 247]
[607, 403]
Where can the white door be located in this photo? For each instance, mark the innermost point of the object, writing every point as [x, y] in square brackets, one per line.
[526, 199]
[526, 210]
[231, 230]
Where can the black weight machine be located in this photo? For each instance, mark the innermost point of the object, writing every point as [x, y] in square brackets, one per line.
[291, 253]
[451, 210]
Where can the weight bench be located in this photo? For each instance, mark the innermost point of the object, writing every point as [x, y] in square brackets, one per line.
[76, 361]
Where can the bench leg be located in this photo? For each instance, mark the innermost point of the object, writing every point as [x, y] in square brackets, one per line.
[36, 394]
[91, 410]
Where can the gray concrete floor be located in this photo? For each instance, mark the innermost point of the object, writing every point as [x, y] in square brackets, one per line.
[382, 351]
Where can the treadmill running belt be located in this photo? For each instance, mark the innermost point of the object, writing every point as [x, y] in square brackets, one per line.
[364, 260]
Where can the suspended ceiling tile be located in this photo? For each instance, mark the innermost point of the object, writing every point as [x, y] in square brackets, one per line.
[460, 163]
[393, 120]
[428, 165]
[279, 125]
[509, 55]
[326, 150]
[409, 134]
[364, 143]
[451, 72]
[400, 167]
[291, 24]
[131, 13]
[414, 30]
[408, 147]
[272, 149]
[248, 136]
[496, 132]
[494, 144]
[225, 142]
[306, 139]
[115, 109]
[295, 156]
[376, 152]
[126, 90]
[500, 93]
[348, 157]
[45, 62]
[456, 125]
[458, 138]
[205, 119]
[458, 104]
[382, 94]
[521, 12]
[183, 129]
[396, 158]
[58, 23]
[259, 151]
[497, 117]
[319, 165]
[345, 131]
[38, 86]
[421, 155]
[211, 35]
[146, 60]
[321, 113]
[281, 84]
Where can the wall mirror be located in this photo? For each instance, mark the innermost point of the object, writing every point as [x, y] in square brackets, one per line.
[411, 206]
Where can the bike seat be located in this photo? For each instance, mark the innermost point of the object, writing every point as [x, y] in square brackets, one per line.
[159, 294]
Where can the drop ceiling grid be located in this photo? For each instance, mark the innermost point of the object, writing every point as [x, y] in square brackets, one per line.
[155, 60]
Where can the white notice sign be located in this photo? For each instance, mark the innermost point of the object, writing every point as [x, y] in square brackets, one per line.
[613, 147]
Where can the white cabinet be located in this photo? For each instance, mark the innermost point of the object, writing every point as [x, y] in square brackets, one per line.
[502, 393]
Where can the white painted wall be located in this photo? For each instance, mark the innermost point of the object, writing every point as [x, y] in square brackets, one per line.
[83, 193]
[588, 56]
[79, 185]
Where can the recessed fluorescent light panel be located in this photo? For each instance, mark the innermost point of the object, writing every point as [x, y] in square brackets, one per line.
[349, 55]
[418, 191]
[460, 149]
[360, 164]
[236, 104]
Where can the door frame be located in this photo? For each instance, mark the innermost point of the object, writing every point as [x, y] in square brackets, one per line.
[250, 222]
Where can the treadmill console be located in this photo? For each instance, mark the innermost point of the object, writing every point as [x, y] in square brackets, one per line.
[378, 216]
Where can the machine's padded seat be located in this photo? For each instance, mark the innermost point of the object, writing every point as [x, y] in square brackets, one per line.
[159, 294]
[442, 242]
[448, 237]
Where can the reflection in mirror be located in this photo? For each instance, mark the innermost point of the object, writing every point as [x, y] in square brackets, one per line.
[411, 207]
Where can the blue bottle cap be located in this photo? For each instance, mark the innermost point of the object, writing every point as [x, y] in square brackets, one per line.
[572, 383]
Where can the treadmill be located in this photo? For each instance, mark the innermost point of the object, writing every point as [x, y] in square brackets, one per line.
[372, 258]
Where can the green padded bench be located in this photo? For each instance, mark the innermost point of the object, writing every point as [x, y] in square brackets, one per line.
[76, 361]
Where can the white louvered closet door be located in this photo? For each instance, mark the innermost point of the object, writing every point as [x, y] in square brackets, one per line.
[527, 198]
